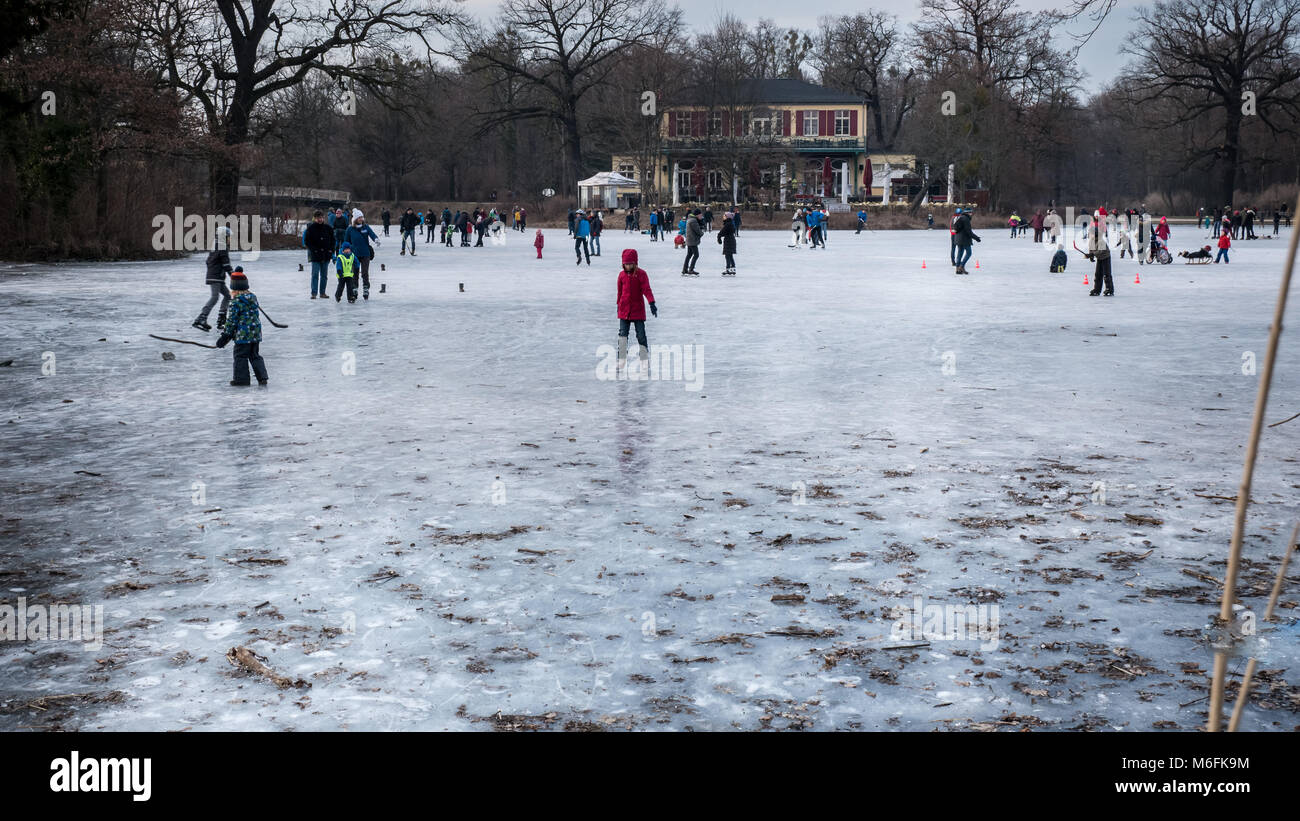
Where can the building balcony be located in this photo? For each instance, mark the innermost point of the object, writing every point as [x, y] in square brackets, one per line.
[704, 145]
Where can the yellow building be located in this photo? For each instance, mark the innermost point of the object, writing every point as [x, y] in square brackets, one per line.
[762, 140]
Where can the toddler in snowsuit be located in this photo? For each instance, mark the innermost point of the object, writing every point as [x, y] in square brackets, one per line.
[538, 242]
[1059, 261]
[633, 288]
[245, 328]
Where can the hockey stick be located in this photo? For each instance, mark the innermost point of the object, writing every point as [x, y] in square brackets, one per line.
[182, 341]
[268, 318]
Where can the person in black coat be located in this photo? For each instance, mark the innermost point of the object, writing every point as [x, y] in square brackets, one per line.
[217, 266]
[318, 239]
[727, 239]
[387, 217]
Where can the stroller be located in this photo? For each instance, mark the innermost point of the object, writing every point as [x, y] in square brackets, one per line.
[1160, 251]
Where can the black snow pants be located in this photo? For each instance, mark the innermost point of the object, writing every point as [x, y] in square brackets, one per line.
[249, 353]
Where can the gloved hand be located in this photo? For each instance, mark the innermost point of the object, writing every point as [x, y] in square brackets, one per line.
[654, 309]
[223, 341]
[977, 239]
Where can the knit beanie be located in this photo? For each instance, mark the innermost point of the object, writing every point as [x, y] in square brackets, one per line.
[238, 282]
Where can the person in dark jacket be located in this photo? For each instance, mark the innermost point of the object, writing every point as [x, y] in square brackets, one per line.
[572, 221]
[318, 239]
[387, 218]
[340, 226]
[597, 225]
[407, 227]
[708, 220]
[694, 232]
[217, 266]
[962, 236]
[727, 239]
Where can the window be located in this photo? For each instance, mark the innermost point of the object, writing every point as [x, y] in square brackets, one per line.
[760, 126]
[628, 170]
[715, 179]
[842, 122]
[683, 124]
[715, 124]
[810, 123]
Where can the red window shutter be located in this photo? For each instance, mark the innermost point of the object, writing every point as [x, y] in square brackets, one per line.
[672, 124]
[824, 122]
[697, 123]
[798, 123]
[785, 124]
[726, 123]
[853, 122]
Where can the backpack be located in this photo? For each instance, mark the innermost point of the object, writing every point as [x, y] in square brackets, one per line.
[1059, 259]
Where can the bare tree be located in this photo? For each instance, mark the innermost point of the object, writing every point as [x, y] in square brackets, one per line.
[1221, 52]
[561, 50]
[227, 56]
[861, 54]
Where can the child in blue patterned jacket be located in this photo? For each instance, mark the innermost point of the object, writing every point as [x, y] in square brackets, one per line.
[244, 326]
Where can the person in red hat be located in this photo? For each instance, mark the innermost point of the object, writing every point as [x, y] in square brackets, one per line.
[539, 242]
[633, 292]
[244, 326]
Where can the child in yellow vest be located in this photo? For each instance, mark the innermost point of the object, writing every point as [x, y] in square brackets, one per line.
[348, 267]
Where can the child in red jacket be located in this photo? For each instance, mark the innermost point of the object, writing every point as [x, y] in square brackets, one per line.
[1224, 245]
[633, 287]
[538, 242]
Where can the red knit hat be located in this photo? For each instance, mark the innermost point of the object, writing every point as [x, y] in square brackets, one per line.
[238, 282]
[629, 256]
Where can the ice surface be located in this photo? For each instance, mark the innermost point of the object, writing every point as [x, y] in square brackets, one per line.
[474, 531]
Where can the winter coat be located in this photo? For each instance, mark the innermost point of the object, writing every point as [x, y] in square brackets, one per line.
[693, 231]
[1037, 222]
[408, 222]
[581, 228]
[1059, 260]
[387, 217]
[1097, 242]
[360, 241]
[597, 225]
[318, 239]
[727, 237]
[242, 322]
[1224, 240]
[633, 292]
[962, 232]
[1162, 230]
[218, 266]
[340, 226]
[539, 242]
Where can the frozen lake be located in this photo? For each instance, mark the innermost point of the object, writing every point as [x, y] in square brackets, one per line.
[440, 515]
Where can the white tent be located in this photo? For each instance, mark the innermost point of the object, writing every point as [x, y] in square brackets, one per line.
[601, 190]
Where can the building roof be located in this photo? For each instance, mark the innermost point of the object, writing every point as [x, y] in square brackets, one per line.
[769, 92]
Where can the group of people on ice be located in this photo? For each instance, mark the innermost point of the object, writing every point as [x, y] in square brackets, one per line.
[1239, 223]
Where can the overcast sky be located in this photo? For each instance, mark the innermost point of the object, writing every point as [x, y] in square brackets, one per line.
[1099, 59]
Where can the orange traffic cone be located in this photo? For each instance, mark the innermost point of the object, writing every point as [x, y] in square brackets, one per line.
[1085, 277]
[1137, 279]
[977, 263]
[923, 264]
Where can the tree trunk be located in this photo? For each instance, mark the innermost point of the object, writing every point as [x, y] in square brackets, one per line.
[1228, 162]
[572, 148]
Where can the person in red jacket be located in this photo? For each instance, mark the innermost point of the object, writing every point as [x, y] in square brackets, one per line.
[1224, 245]
[538, 242]
[633, 287]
